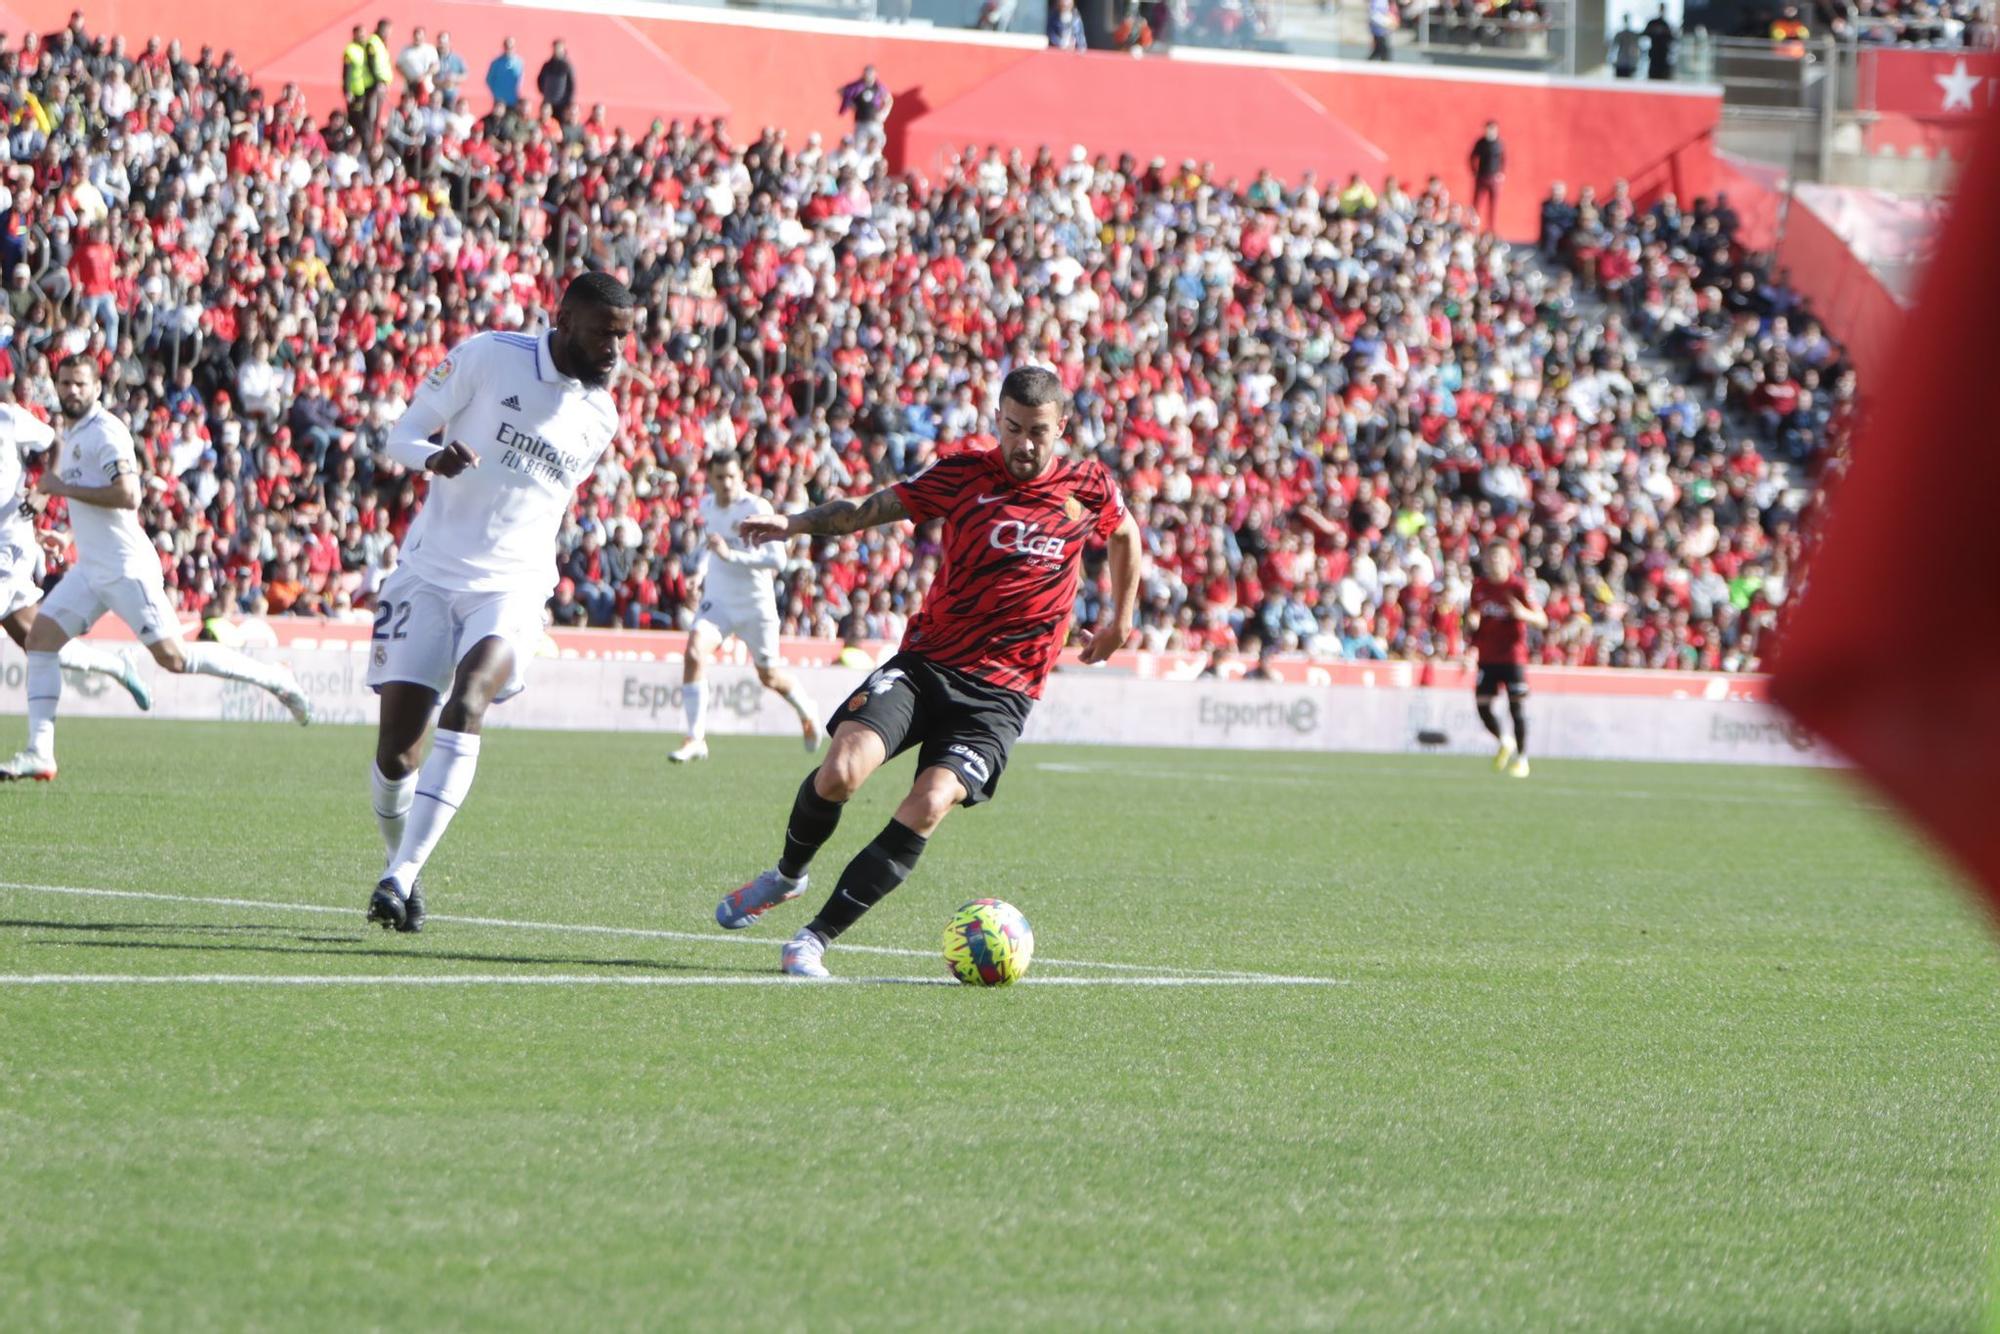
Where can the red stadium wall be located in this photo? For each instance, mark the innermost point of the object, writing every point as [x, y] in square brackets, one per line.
[256, 33]
[1569, 130]
[1844, 290]
[1423, 120]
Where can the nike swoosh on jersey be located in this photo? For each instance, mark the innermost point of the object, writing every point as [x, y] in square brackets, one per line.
[989, 500]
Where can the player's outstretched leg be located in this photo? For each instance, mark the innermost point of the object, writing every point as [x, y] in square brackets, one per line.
[876, 870]
[786, 687]
[814, 818]
[857, 752]
[444, 780]
[79, 656]
[1517, 705]
[215, 660]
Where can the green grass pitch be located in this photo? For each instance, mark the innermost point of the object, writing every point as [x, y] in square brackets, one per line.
[1619, 1047]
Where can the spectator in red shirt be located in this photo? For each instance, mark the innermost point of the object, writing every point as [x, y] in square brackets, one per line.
[94, 276]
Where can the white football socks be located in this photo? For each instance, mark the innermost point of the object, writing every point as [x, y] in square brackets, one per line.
[79, 656]
[694, 703]
[214, 660]
[800, 704]
[45, 686]
[442, 785]
[392, 804]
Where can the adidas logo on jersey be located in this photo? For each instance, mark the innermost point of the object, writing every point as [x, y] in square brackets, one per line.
[512, 401]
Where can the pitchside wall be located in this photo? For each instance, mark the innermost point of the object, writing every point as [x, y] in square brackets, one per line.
[1082, 705]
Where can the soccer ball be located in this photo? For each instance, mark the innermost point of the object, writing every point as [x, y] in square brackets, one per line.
[988, 944]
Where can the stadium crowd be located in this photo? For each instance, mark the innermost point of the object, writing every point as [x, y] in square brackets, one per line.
[1920, 23]
[1322, 398]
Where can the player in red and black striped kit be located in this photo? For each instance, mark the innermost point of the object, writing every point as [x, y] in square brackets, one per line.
[1503, 607]
[1016, 522]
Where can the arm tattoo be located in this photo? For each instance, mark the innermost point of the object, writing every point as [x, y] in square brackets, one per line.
[850, 516]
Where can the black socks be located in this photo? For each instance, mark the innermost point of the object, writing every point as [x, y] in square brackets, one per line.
[813, 821]
[875, 870]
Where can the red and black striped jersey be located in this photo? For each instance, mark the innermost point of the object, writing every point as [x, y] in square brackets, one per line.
[1013, 554]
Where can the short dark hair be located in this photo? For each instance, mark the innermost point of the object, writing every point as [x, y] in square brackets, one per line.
[78, 359]
[1033, 386]
[722, 456]
[599, 289]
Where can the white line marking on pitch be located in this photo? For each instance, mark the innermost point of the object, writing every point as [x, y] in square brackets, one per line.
[643, 932]
[604, 980]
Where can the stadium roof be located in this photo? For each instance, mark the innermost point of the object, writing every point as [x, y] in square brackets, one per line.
[1237, 117]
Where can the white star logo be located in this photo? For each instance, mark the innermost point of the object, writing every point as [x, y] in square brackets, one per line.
[1958, 87]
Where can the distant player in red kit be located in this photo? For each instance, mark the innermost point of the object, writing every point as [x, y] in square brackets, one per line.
[1502, 611]
[1016, 521]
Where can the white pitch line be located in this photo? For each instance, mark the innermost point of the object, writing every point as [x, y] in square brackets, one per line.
[604, 980]
[584, 928]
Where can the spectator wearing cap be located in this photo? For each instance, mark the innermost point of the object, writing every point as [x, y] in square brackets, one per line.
[556, 82]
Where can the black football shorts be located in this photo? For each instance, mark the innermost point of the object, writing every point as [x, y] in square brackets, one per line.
[1493, 675]
[962, 723]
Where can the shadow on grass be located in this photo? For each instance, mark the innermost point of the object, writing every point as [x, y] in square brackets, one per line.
[349, 947]
[188, 928]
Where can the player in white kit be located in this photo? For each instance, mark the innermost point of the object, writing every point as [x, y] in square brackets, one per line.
[23, 434]
[520, 422]
[738, 597]
[94, 467]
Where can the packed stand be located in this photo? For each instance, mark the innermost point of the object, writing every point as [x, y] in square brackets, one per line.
[1322, 400]
[1918, 23]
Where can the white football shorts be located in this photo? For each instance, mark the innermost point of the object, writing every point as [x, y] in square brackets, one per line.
[17, 579]
[422, 631]
[756, 626]
[77, 602]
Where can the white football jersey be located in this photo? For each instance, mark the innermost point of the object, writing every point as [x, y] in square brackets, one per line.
[747, 580]
[21, 434]
[538, 435]
[110, 544]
